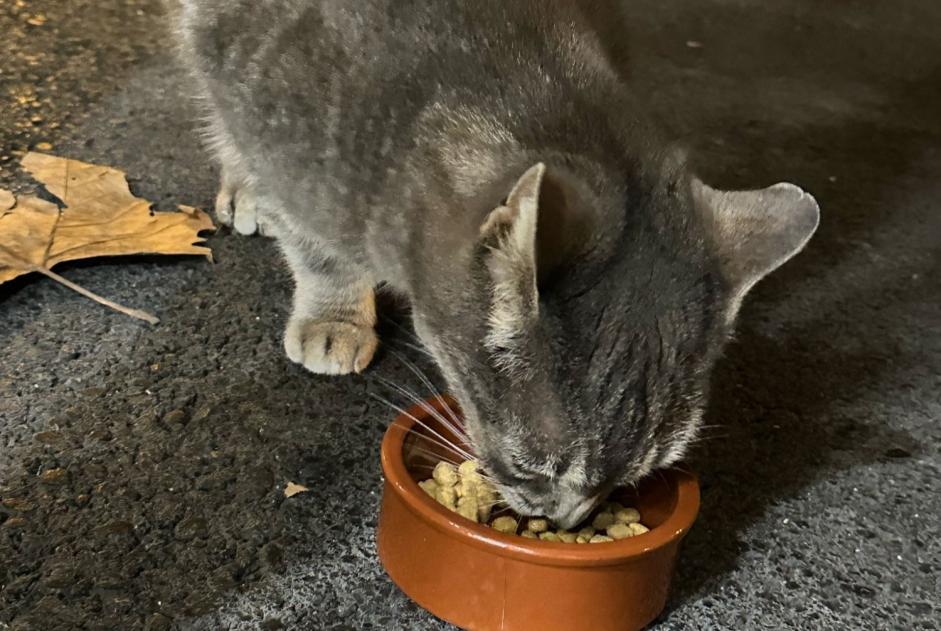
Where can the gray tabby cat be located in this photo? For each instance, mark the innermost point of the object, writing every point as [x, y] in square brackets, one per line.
[573, 281]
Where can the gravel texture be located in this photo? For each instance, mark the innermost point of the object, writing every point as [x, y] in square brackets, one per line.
[142, 468]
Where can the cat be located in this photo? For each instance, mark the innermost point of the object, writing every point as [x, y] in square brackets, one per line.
[574, 282]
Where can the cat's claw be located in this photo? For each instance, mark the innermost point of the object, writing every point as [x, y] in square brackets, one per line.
[329, 347]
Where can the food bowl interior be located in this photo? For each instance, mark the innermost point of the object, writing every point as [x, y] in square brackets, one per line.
[435, 437]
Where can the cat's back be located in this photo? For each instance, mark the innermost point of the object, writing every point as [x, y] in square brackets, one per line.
[297, 67]
[446, 40]
[272, 57]
[346, 89]
[228, 36]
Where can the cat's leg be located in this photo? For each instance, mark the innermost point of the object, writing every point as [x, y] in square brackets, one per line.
[332, 327]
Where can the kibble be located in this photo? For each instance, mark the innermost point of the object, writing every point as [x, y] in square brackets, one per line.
[627, 516]
[486, 499]
[447, 497]
[445, 474]
[468, 471]
[639, 529]
[505, 524]
[463, 490]
[429, 486]
[467, 507]
[620, 531]
[602, 521]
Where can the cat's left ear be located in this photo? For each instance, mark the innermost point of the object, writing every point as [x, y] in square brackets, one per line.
[510, 234]
[755, 232]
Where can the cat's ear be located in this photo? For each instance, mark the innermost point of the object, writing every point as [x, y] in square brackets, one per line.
[755, 232]
[513, 225]
[509, 233]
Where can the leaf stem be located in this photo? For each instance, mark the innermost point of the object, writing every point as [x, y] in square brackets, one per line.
[134, 313]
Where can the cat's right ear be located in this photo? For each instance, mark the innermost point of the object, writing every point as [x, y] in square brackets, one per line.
[509, 233]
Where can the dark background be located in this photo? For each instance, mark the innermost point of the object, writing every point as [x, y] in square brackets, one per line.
[821, 478]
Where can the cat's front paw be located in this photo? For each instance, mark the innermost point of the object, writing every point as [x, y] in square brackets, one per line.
[330, 347]
[237, 206]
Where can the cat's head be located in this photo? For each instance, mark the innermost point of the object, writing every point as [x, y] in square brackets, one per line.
[600, 316]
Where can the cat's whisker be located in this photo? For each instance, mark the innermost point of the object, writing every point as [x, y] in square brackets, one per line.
[428, 409]
[681, 466]
[710, 430]
[418, 345]
[401, 410]
[435, 457]
[413, 342]
[427, 383]
[441, 444]
[487, 479]
[711, 426]
[698, 440]
[458, 432]
[707, 439]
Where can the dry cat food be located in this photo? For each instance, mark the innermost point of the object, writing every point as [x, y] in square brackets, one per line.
[462, 490]
[465, 491]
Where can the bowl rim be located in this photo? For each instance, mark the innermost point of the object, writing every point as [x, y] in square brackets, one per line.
[483, 537]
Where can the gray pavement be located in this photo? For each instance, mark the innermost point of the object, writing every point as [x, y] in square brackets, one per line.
[821, 477]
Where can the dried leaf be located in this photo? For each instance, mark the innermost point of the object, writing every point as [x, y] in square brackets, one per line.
[293, 489]
[7, 201]
[101, 218]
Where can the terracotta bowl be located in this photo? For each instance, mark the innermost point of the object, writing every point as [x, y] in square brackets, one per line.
[483, 580]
